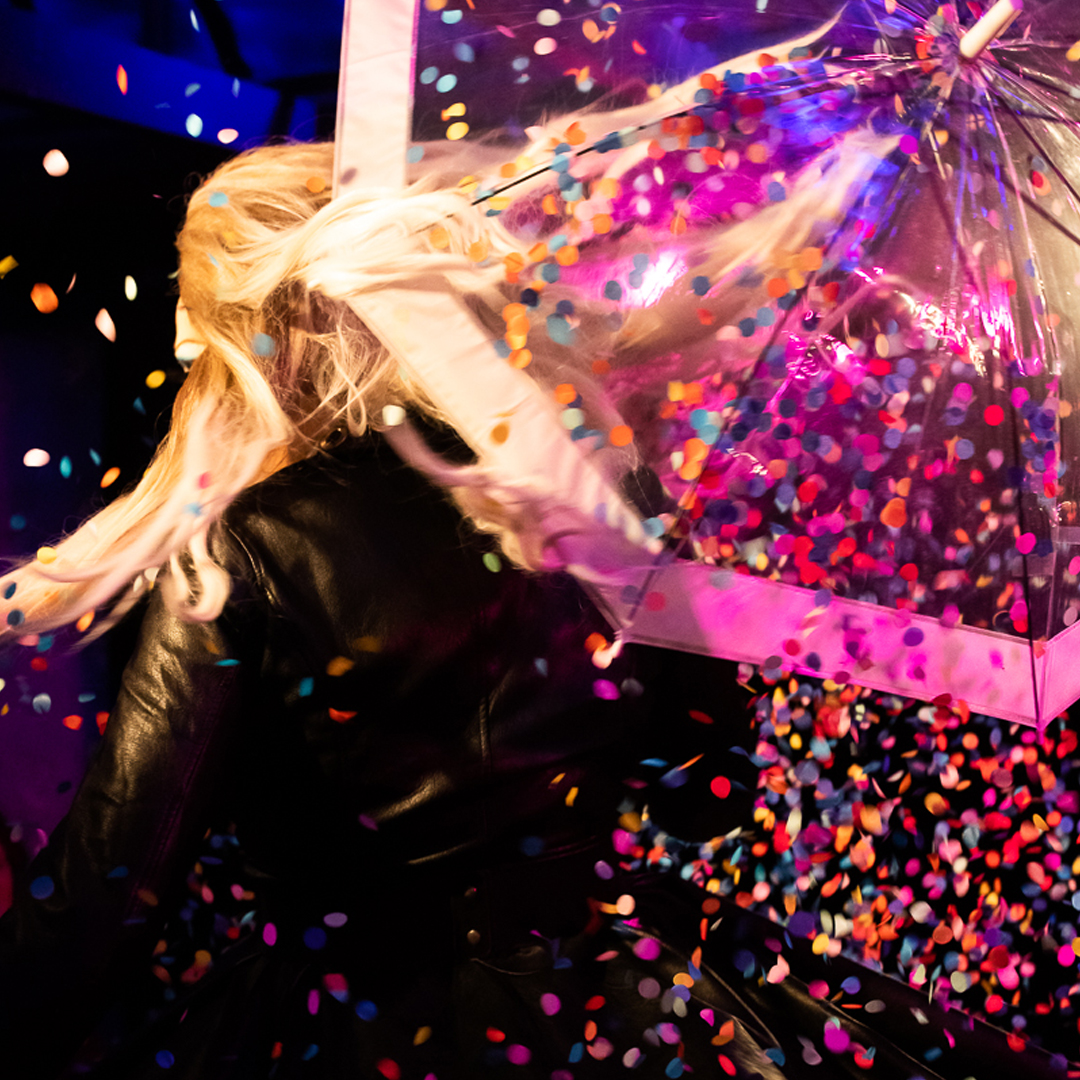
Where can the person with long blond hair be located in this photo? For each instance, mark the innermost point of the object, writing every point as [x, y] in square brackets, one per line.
[358, 646]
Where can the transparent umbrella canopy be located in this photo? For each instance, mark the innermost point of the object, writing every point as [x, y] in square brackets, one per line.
[870, 447]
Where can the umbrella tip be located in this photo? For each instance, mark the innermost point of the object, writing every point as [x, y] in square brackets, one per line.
[994, 23]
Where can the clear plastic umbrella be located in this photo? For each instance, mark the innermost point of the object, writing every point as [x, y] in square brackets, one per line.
[872, 228]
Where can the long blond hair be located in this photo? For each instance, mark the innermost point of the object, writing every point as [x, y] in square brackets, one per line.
[267, 263]
[283, 367]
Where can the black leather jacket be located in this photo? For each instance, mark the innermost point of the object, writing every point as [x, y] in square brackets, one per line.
[386, 710]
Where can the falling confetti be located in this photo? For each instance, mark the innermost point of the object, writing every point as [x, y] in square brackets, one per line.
[55, 164]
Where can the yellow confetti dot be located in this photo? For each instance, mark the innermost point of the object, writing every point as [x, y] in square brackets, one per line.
[84, 621]
[7, 264]
[1040, 823]
[131, 290]
[457, 131]
[1073, 55]
[46, 554]
[422, 1035]
[315, 184]
[434, 5]
[881, 345]
[367, 643]
[110, 477]
[457, 109]
[478, 251]
[339, 666]
[439, 237]
[121, 78]
[821, 943]
[155, 379]
[571, 795]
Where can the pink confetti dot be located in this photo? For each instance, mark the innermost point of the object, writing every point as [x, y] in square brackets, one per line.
[909, 144]
[1025, 543]
[518, 1055]
[836, 1039]
[655, 601]
[1066, 957]
[270, 933]
[647, 948]
[819, 988]
[550, 1004]
[1018, 397]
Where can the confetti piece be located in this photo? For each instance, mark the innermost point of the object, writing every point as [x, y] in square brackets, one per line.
[7, 264]
[103, 321]
[122, 79]
[110, 477]
[55, 164]
[35, 459]
[44, 299]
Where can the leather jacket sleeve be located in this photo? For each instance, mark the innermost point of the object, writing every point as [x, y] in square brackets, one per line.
[92, 895]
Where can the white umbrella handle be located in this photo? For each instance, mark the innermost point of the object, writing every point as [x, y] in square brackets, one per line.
[992, 25]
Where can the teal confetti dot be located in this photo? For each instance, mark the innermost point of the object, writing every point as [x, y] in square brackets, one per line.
[414, 154]
[194, 125]
[227, 663]
[9, 592]
[139, 407]
[17, 522]
[218, 198]
[446, 83]
[65, 467]
[452, 18]
[429, 75]
[191, 88]
[95, 457]
[307, 684]
[263, 345]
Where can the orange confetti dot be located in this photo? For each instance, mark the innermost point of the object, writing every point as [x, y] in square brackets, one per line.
[778, 287]
[894, 515]
[121, 78]
[621, 435]
[315, 184]
[602, 223]
[810, 259]
[340, 715]
[520, 358]
[73, 722]
[567, 256]
[565, 393]
[84, 621]
[595, 641]
[44, 298]
[110, 477]
[439, 237]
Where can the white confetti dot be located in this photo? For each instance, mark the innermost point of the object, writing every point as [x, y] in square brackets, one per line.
[549, 17]
[545, 46]
[105, 324]
[36, 458]
[55, 163]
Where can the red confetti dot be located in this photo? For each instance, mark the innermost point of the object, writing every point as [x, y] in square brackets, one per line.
[726, 1064]
[909, 571]
[792, 647]
[994, 415]
[495, 1035]
[389, 1068]
[655, 601]
[720, 787]
[73, 722]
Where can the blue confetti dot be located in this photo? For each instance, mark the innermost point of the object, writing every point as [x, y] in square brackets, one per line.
[700, 285]
[913, 636]
[965, 449]
[9, 590]
[17, 522]
[414, 154]
[609, 13]
[531, 846]
[613, 290]
[15, 618]
[429, 75]
[42, 888]
[315, 937]
[310, 1052]
[164, 1059]
[776, 191]
[218, 198]
[307, 684]
[367, 1010]
[674, 1068]
[851, 985]
[464, 52]
[117, 872]
[747, 327]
